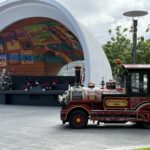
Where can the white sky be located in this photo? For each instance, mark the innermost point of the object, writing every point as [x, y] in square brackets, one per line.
[100, 15]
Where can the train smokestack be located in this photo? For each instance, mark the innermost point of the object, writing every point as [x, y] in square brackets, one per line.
[77, 75]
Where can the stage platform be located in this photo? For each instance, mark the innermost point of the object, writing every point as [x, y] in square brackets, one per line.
[37, 95]
[38, 98]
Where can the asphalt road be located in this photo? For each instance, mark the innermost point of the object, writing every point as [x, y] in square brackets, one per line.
[39, 128]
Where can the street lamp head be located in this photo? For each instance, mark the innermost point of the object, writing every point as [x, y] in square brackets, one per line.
[135, 13]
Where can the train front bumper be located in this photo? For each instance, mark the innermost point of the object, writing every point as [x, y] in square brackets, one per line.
[63, 115]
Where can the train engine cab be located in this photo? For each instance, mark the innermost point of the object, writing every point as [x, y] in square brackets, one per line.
[109, 103]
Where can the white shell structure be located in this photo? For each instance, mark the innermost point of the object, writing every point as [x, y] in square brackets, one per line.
[96, 62]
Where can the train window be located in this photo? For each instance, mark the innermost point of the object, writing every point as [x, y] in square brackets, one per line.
[145, 85]
[135, 82]
[139, 83]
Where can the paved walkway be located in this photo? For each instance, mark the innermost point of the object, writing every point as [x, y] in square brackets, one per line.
[40, 128]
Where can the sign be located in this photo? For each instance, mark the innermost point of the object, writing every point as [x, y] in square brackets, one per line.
[92, 97]
[116, 103]
[3, 59]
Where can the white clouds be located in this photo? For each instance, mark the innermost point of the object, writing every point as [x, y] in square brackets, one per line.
[89, 11]
[84, 9]
[100, 15]
[2, 1]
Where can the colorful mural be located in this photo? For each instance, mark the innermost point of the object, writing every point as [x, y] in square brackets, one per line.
[38, 42]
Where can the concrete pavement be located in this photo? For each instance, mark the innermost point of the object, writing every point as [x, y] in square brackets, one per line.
[40, 128]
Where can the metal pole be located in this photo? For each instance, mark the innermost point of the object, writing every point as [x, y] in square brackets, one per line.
[134, 50]
[134, 13]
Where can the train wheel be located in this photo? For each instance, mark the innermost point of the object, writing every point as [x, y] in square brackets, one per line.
[145, 125]
[78, 119]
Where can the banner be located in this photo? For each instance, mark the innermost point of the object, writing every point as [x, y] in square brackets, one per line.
[14, 58]
[26, 57]
[3, 59]
[13, 45]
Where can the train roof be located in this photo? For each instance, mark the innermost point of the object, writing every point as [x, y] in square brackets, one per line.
[136, 66]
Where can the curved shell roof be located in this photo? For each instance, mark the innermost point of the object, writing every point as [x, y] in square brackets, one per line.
[96, 63]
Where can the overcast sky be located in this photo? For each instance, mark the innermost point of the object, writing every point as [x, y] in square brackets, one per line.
[100, 15]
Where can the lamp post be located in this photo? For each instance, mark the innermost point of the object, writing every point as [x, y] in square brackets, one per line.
[134, 14]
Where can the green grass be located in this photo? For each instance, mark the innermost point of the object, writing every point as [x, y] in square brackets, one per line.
[148, 148]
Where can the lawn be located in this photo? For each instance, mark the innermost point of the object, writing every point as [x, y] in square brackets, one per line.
[148, 148]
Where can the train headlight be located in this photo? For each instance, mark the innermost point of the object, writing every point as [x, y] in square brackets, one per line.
[62, 100]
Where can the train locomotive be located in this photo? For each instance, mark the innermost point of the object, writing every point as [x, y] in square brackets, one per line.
[109, 103]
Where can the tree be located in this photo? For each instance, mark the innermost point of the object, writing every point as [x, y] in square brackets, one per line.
[143, 51]
[5, 81]
[118, 49]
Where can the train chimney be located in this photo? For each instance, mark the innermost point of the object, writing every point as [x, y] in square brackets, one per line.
[77, 76]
